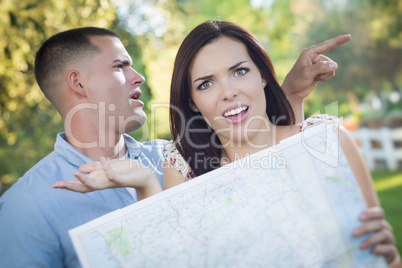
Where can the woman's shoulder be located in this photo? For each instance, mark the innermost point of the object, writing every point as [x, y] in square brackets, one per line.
[319, 119]
[176, 160]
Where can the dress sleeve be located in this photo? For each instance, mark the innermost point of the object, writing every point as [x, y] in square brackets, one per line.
[177, 161]
[318, 119]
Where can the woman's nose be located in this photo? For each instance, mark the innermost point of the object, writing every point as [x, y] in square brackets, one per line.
[229, 91]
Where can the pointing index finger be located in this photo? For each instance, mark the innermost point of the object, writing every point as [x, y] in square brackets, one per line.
[330, 44]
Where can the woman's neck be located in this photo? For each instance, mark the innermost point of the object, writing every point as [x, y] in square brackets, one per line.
[234, 150]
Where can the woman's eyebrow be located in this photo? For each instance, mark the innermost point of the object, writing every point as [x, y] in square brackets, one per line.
[210, 76]
[236, 65]
[203, 78]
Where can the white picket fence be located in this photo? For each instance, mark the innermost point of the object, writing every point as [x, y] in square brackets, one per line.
[381, 148]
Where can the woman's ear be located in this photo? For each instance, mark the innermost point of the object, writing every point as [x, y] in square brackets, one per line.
[193, 107]
[74, 83]
[264, 82]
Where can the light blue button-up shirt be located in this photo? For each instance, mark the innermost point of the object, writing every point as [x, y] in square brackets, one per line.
[35, 218]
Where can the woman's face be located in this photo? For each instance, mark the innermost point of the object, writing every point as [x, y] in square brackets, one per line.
[227, 89]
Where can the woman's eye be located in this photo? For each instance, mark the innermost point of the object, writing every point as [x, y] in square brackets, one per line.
[205, 85]
[241, 71]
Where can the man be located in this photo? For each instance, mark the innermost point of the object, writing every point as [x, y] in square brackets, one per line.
[87, 75]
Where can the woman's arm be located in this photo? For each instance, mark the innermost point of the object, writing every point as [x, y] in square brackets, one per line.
[373, 218]
[171, 177]
[310, 68]
[359, 167]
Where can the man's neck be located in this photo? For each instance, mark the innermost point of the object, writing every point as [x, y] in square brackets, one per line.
[96, 143]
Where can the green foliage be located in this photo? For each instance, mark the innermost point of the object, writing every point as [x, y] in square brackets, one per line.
[371, 60]
[389, 188]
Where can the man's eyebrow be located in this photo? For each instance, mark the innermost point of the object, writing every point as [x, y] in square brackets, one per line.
[236, 65]
[125, 62]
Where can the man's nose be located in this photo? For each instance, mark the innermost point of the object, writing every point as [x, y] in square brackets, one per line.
[136, 78]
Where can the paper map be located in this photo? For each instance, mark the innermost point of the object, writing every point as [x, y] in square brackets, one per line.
[292, 205]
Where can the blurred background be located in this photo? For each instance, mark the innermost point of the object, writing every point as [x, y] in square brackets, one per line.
[366, 91]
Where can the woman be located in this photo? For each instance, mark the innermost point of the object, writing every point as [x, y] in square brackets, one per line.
[193, 88]
[224, 84]
[226, 103]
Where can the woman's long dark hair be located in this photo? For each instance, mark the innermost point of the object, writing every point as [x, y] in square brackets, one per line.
[195, 140]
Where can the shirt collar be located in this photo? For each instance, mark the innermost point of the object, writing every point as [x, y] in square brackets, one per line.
[73, 156]
[133, 147]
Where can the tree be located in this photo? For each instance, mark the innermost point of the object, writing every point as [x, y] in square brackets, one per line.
[371, 63]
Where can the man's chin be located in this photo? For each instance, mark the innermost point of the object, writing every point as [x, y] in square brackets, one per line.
[135, 122]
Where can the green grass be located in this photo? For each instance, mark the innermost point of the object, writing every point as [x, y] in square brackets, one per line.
[389, 189]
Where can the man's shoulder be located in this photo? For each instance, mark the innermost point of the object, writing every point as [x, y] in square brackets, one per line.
[48, 165]
[39, 178]
[42, 164]
[22, 195]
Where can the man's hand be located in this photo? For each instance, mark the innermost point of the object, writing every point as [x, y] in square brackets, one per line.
[310, 68]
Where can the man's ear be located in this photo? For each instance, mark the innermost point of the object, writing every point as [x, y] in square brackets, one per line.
[192, 105]
[74, 83]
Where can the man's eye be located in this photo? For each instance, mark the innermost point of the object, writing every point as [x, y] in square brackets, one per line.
[120, 66]
[205, 85]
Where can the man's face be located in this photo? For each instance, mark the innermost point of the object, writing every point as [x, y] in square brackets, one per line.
[111, 83]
